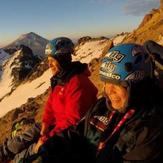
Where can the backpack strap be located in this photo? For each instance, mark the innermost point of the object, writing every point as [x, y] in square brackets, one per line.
[94, 109]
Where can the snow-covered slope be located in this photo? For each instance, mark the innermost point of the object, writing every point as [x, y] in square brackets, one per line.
[90, 50]
[6, 78]
[118, 39]
[25, 91]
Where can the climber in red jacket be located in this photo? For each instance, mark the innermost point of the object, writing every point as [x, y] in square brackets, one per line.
[72, 92]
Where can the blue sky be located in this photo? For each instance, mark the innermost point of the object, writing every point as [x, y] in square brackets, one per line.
[71, 18]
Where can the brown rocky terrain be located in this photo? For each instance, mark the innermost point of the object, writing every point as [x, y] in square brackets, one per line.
[31, 111]
[151, 28]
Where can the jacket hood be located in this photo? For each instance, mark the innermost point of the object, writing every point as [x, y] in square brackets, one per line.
[65, 75]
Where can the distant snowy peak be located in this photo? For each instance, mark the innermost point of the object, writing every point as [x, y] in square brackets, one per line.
[31, 36]
[33, 41]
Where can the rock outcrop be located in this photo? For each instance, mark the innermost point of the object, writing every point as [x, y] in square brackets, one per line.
[23, 64]
[151, 28]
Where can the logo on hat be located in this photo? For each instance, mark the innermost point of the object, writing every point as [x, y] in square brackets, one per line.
[115, 56]
[108, 66]
[110, 75]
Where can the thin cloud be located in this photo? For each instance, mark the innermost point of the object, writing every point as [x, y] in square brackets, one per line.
[140, 7]
[101, 1]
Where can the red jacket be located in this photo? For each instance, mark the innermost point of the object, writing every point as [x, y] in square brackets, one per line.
[68, 103]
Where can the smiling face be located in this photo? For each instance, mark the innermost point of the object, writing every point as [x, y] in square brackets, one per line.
[53, 65]
[118, 96]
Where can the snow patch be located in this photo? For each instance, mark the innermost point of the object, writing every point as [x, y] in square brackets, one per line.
[90, 50]
[6, 78]
[25, 91]
[118, 39]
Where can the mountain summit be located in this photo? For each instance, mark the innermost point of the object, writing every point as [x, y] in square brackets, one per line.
[33, 41]
[151, 28]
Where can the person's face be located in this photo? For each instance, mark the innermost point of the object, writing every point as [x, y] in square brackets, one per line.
[53, 65]
[117, 94]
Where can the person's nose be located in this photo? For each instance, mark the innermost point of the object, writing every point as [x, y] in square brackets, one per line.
[111, 89]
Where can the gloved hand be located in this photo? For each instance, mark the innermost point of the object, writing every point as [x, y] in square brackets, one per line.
[44, 130]
[40, 142]
[43, 137]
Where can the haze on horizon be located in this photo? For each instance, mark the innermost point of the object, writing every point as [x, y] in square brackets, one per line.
[73, 18]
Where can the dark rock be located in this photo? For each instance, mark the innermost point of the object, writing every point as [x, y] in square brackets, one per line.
[10, 50]
[84, 39]
[23, 64]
